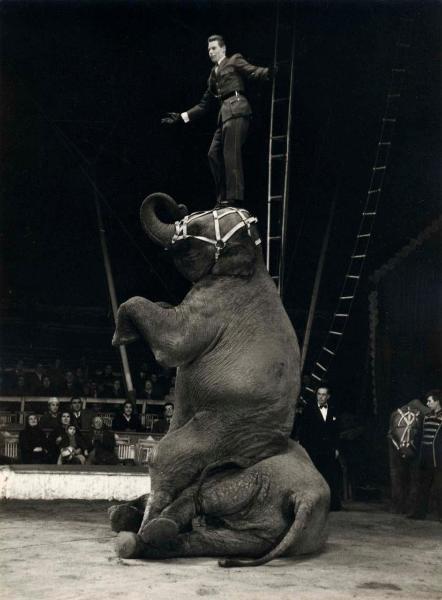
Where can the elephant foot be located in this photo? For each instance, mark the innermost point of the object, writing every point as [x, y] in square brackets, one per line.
[159, 532]
[129, 545]
[124, 518]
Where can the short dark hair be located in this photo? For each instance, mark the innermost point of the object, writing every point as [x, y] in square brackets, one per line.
[169, 404]
[437, 395]
[217, 38]
[323, 386]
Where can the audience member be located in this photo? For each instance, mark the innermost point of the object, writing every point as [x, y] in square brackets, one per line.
[430, 463]
[157, 388]
[56, 374]
[127, 420]
[36, 380]
[55, 437]
[18, 385]
[146, 392]
[46, 388]
[162, 425]
[107, 381]
[32, 442]
[50, 420]
[81, 418]
[69, 387]
[319, 435]
[102, 444]
[141, 377]
[73, 447]
[116, 391]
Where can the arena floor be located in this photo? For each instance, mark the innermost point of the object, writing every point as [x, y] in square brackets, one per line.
[64, 549]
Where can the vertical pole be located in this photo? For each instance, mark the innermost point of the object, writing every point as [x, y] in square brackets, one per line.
[315, 293]
[113, 297]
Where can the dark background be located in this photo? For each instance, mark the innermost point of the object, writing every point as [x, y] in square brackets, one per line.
[84, 86]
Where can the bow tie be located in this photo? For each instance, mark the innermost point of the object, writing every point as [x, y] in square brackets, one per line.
[323, 406]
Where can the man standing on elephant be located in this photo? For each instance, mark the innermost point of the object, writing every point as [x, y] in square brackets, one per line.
[319, 434]
[225, 88]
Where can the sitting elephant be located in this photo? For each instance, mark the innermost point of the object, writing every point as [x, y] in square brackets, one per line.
[276, 507]
[234, 347]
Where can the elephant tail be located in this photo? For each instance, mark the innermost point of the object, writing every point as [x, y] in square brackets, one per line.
[302, 513]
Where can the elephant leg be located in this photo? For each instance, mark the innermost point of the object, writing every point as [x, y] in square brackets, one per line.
[178, 459]
[125, 331]
[199, 542]
[128, 516]
[224, 494]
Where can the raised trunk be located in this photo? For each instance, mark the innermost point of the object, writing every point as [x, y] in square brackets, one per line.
[158, 214]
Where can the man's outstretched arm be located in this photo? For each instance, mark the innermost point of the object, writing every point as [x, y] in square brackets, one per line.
[251, 71]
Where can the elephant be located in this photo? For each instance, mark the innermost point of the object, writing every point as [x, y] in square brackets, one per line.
[404, 438]
[277, 507]
[235, 350]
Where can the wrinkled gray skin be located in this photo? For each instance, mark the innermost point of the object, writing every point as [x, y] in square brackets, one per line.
[276, 507]
[235, 350]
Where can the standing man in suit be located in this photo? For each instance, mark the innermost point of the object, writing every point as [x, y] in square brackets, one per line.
[319, 435]
[226, 90]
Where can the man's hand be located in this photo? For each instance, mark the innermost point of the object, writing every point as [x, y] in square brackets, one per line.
[171, 118]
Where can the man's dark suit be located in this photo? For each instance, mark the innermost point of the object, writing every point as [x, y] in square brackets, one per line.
[321, 440]
[226, 88]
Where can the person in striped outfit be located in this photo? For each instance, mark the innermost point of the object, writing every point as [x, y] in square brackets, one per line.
[430, 466]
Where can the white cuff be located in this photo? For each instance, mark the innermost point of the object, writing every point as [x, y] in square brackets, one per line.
[185, 117]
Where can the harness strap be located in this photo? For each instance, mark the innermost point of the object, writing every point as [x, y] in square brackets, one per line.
[406, 421]
[219, 242]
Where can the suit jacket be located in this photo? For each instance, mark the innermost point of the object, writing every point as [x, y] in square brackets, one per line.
[84, 421]
[230, 77]
[319, 437]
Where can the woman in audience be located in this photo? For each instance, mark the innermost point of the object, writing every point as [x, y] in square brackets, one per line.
[127, 420]
[56, 436]
[32, 442]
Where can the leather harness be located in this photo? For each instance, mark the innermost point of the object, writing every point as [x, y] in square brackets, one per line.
[220, 241]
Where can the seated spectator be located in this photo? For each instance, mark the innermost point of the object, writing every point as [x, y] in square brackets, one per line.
[56, 436]
[50, 420]
[80, 378]
[127, 420]
[117, 390]
[146, 392]
[141, 377]
[73, 447]
[46, 388]
[56, 374]
[36, 380]
[162, 425]
[18, 385]
[107, 380]
[80, 417]
[70, 387]
[157, 388]
[101, 444]
[32, 442]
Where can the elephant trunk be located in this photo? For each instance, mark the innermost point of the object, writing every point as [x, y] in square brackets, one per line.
[158, 214]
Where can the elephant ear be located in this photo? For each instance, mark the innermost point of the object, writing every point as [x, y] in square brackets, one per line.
[238, 258]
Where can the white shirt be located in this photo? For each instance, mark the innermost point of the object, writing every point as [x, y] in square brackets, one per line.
[324, 410]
